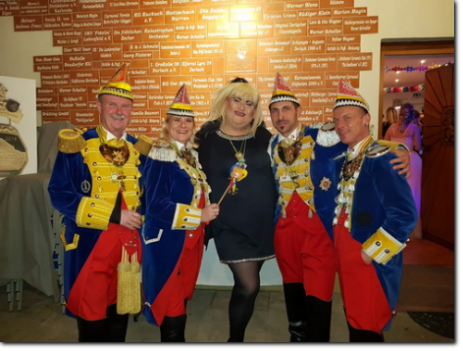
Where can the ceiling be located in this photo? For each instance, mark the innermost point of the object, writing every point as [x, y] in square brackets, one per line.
[410, 78]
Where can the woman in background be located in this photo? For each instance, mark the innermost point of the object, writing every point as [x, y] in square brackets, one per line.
[408, 133]
[390, 118]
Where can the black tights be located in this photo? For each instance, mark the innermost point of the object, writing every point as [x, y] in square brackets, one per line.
[244, 293]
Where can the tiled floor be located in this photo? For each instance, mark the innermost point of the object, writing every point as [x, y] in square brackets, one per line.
[427, 285]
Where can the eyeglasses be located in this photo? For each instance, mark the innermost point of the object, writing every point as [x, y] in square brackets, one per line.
[239, 80]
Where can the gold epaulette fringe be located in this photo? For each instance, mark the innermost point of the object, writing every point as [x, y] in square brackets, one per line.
[71, 140]
[162, 151]
[143, 145]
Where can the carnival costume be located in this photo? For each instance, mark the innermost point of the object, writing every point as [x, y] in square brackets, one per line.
[375, 213]
[173, 235]
[304, 248]
[94, 177]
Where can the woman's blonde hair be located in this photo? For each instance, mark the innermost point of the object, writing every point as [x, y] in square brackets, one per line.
[391, 115]
[165, 135]
[237, 88]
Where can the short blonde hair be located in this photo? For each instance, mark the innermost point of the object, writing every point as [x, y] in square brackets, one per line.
[165, 135]
[240, 88]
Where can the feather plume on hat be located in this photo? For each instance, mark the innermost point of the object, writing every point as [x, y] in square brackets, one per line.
[118, 85]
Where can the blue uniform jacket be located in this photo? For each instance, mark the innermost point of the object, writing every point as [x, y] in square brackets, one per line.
[70, 182]
[382, 198]
[167, 186]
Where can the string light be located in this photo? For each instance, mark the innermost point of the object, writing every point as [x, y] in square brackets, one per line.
[409, 69]
[419, 87]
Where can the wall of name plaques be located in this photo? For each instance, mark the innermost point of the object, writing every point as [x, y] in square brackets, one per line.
[203, 43]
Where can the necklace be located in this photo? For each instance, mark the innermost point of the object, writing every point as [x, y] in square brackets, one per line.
[349, 168]
[239, 154]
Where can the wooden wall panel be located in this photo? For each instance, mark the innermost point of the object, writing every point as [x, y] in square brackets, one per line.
[202, 43]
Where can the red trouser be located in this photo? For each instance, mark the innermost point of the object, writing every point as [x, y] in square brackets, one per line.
[181, 284]
[96, 286]
[364, 300]
[304, 250]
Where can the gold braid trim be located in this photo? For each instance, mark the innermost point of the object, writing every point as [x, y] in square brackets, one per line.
[69, 246]
[94, 213]
[297, 176]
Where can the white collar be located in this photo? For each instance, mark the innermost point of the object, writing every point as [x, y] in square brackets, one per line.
[356, 149]
[181, 146]
[110, 136]
[293, 136]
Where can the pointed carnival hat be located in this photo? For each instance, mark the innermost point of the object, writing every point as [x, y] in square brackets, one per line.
[181, 105]
[118, 85]
[281, 91]
[348, 96]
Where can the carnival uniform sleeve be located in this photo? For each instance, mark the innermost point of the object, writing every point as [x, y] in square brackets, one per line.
[186, 217]
[397, 201]
[382, 246]
[164, 186]
[69, 173]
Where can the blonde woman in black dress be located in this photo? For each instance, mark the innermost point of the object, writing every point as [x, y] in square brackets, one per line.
[234, 136]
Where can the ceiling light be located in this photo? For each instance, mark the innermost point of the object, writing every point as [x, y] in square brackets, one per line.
[423, 61]
[396, 80]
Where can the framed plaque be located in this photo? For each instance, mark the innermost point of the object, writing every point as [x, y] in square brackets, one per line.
[18, 127]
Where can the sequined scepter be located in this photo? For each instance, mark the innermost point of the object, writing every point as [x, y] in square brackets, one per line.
[237, 174]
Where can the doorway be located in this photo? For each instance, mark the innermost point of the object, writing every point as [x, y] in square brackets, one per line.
[405, 48]
[409, 48]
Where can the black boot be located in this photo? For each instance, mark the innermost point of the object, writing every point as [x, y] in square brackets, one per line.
[117, 324]
[93, 331]
[173, 329]
[295, 301]
[318, 319]
[362, 335]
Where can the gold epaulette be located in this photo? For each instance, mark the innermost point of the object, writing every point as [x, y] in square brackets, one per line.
[71, 140]
[392, 144]
[143, 145]
[377, 150]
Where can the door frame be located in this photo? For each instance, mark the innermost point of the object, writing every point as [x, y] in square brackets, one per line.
[409, 46]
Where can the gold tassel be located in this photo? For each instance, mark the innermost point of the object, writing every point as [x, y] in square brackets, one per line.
[128, 284]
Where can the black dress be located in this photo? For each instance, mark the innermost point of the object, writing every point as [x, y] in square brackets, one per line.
[244, 229]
